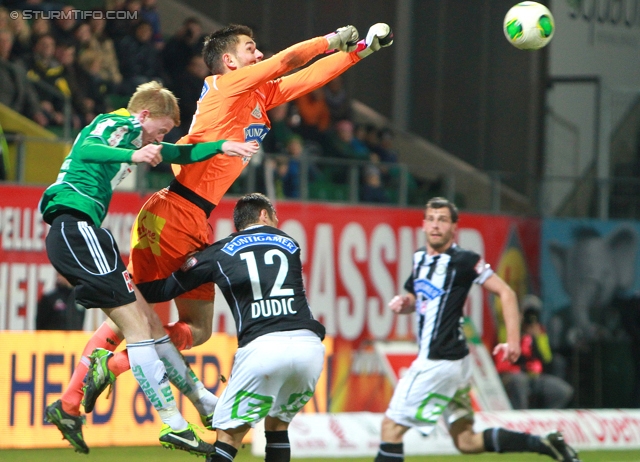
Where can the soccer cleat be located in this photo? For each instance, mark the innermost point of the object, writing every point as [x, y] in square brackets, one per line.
[207, 421]
[558, 448]
[98, 378]
[185, 440]
[69, 425]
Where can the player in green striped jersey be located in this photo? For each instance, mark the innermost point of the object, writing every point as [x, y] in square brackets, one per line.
[103, 154]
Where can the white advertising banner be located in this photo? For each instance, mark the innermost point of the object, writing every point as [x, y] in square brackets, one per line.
[348, 435]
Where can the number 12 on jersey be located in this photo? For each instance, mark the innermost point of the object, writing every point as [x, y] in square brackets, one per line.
[271, 306]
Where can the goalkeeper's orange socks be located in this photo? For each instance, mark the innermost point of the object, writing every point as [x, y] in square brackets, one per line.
[105, 338]
[180, 335]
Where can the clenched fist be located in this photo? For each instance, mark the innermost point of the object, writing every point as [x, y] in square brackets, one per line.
[149, 154]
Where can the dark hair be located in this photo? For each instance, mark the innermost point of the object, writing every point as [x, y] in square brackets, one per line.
[531, 316]
[221, 42]
[248, 208]
[439, 202]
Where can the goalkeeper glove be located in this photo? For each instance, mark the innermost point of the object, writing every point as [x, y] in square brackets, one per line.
[343, 39]
[380, 35]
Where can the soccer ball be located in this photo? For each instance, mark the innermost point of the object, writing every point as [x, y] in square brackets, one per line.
[529, 26]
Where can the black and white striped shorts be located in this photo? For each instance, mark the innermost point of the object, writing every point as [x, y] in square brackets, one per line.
[89, 258]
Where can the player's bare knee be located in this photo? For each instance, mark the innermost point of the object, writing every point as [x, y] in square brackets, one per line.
[392, 432]
[200, 334]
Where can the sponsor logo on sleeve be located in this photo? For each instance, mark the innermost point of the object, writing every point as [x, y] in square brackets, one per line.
[127, 280]
[190, 263]
[205, 89]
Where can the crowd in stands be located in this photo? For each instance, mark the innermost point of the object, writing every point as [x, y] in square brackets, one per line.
[58, 63]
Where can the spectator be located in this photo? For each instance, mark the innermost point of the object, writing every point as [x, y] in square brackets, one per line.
[344, 143]
[91, 84]
[81, 105]
[47, 75]
[149, 13]
[372, 139]
[58, 310]
[385, 147]
[5, 19]
[315, 118]
[138, 58]
[40, 26]
[372, 190]
[118, 29]
[289, 169]
[103, 45]
[281, 132]
[184, 44]
[359, 137]
[82, 36]
[16, 91]
[22, 37]
[188, 91]
[337, 100]
[526, 383]
[64, 24]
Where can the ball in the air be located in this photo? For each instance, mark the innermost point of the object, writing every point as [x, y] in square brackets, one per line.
[529, 25]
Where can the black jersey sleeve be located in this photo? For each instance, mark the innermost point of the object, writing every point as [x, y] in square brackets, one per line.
[408, 285]
[197, 270]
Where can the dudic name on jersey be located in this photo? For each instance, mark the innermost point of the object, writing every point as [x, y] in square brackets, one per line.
[241, 242]
[272, 307]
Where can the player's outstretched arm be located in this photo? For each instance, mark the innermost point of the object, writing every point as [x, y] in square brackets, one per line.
[323, 70]
[379, 36]
[296, 56]
[197, 270]
[191, 153]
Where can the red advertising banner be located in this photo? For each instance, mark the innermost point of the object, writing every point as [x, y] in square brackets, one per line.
[355, 259]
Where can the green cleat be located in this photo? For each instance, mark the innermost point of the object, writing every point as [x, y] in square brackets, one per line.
[69, 425]
[97, 379]
[207, 421]
[185, 440]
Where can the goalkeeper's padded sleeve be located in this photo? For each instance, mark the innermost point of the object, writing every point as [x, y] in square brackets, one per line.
[379, 36]
[343, 39]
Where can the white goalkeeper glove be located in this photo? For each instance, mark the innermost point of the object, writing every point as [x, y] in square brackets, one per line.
[379, 36]
[343, 39]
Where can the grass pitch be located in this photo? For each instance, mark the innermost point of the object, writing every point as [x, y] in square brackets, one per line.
[157, 454]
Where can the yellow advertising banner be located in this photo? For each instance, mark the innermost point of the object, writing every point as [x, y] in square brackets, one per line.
[38, 365]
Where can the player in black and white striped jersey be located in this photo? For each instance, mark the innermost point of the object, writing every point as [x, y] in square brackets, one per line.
[280, 354]
[438, 381]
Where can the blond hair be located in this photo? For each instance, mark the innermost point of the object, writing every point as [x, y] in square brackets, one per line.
[156, 99]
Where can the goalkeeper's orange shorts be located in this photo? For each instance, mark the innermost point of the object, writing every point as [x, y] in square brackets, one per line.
[167, 229]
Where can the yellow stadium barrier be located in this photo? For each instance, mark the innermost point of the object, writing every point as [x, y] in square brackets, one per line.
[38, 365]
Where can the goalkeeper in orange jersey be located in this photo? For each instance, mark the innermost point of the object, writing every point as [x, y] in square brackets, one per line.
[233, 105]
